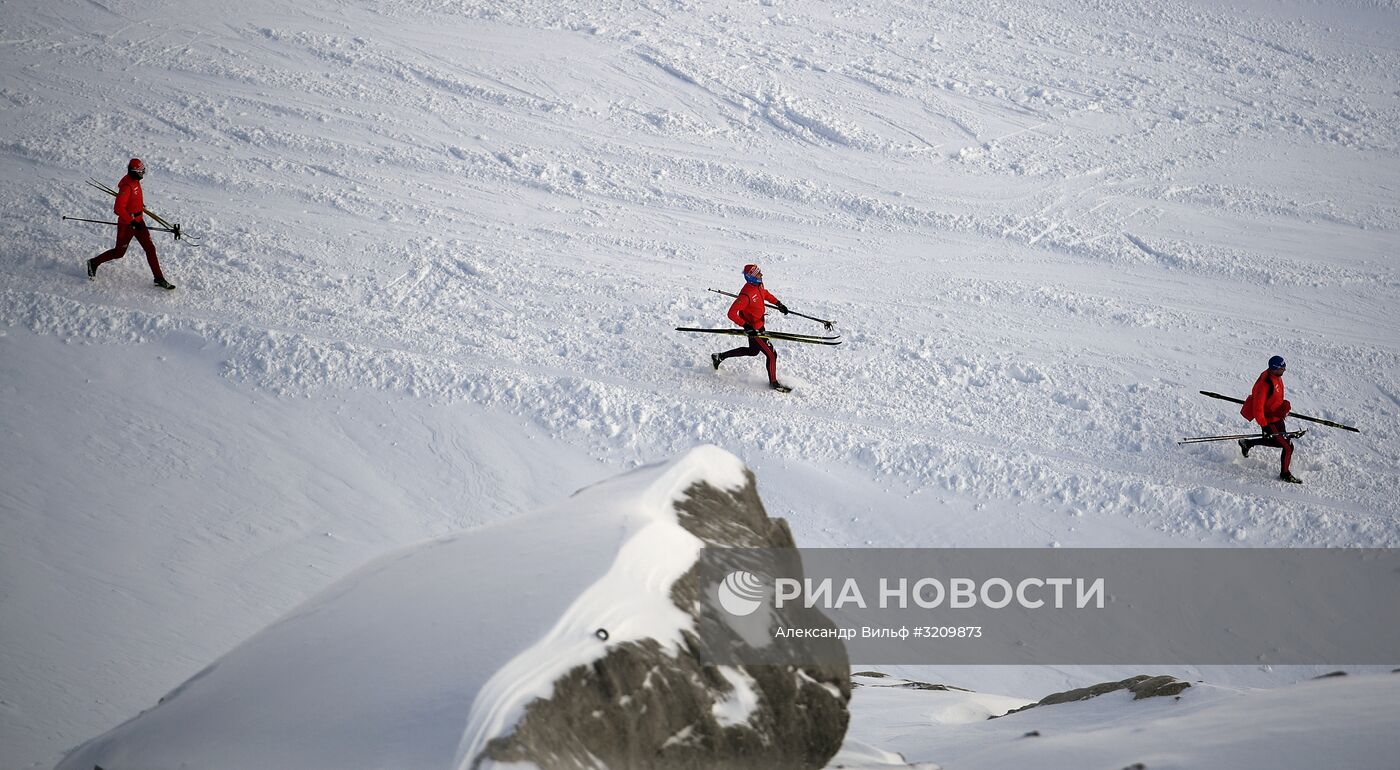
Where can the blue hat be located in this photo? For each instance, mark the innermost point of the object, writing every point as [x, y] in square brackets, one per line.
[1277, 362]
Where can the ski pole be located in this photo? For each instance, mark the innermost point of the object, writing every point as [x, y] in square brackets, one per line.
[1204, 439]
[104, 222]
[1317, 420]
[170, 228]
[822, 321]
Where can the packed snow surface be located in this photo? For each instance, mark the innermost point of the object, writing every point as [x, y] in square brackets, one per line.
[1343, 722]
[420, 657]
[444, 244]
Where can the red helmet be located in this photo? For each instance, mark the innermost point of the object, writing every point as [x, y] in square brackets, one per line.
[752, 274]
[135, 166]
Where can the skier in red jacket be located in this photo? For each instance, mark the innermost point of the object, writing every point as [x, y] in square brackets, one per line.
[130, 210]
[747, 311]
[1267, 406]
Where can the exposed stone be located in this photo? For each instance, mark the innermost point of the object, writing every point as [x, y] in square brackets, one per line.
[931, 686]
[907, 684]
[642, 706]
[1142, 686]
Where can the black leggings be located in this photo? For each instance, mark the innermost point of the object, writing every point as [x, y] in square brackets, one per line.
[1279, 440]
[757, 345]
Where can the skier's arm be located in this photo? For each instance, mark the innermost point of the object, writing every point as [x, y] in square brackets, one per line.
[736, 311]
[768, 295]
[1257, 397]
[123, 201]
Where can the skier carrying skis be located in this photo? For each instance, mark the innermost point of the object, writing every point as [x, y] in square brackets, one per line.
[747, 311]
[130, 210]
[1267, 406]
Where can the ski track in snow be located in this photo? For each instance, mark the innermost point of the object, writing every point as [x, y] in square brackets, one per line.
[1042, 228]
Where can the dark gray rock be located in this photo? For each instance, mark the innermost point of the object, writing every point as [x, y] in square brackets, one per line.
[642, 706]
[1142, 686]
[906, 684]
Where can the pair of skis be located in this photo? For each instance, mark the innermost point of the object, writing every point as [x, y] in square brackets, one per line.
[1238, 436]
[1290, 434]
[1292, 415]
[810, 339]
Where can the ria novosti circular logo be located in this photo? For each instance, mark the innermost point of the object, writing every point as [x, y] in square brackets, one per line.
[741, 593]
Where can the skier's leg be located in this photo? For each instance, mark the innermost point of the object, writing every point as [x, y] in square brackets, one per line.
[1263, 440]
[1283, 443]
[737, 352]
[772, 355]
[143, 236]
[751, 349]
[124, 234]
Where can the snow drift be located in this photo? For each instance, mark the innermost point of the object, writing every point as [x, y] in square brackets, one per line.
[1145, 723]
[562, 639]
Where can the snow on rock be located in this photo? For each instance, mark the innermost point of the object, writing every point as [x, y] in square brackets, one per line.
[1141, 686]
[562, 638]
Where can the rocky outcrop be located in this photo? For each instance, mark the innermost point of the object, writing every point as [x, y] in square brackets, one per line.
[587, 634]
[881, 679]
[642, 706]
[1141, 686]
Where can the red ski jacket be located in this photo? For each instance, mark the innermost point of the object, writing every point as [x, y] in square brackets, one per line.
[748, 308]
[129, 203]
[1266, 403]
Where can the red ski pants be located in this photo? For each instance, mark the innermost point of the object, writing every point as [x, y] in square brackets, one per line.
[125, 232]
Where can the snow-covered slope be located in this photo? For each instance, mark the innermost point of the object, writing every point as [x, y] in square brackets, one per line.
[445, 243]
[1343, 722]
[420, 657]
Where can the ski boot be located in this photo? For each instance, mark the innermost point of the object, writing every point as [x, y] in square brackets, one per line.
[92, 268]
[1290, 478]
[778, 386]
[164, 284]
[1244, 447]
[715, 359]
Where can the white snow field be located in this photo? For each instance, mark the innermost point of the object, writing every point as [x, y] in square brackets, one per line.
[1345, 722]
[372, 671]
[444, 244]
